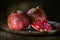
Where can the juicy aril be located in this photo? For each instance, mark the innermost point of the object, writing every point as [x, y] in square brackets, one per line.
[39, 19]
[17, 21]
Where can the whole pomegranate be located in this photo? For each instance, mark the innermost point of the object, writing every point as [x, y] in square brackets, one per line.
[39, 19]
[18, 21]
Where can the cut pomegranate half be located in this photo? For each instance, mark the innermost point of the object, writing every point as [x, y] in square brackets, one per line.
[42, 26]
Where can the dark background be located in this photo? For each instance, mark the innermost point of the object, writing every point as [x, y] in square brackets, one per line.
[51, 7]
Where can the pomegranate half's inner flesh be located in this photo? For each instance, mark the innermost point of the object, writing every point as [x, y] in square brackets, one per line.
[42, 26]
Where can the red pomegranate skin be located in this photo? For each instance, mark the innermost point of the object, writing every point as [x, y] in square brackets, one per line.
[37, 14]
[17, 21]
[39, 19]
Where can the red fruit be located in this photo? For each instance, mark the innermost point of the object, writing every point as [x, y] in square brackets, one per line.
[37, 25]
[42, 26]
[47, 25]
[39, 19]
[17, 21]
[36, 14]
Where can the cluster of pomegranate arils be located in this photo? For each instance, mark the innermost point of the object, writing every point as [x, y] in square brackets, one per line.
[36, 18]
